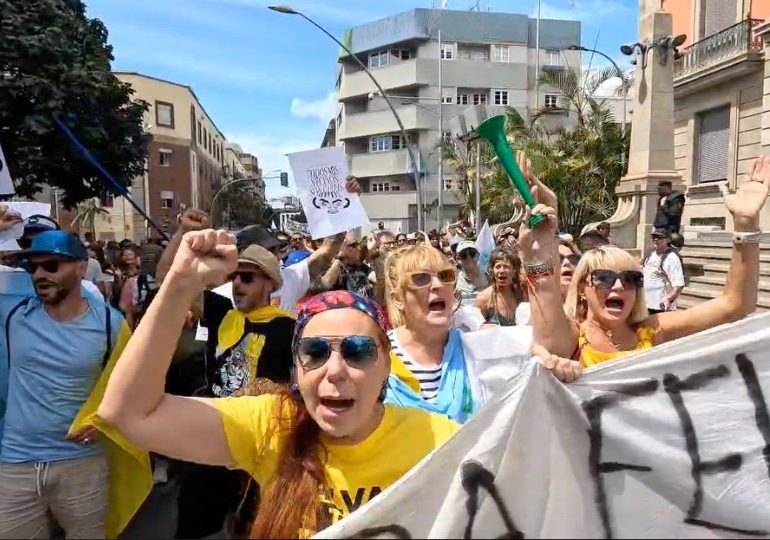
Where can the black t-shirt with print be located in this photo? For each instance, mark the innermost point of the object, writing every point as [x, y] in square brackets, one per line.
[355, 278]
[227, 371]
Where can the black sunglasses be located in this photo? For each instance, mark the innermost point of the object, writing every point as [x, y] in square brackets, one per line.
[606, 279]
[50, 267]
[246, 277]
[572, 259]
[357, 351]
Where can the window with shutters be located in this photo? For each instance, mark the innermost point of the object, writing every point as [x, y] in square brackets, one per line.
[501, 53]
[717, 15]
[713, 141]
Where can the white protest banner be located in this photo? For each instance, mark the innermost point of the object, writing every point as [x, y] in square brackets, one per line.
[320, 177]
[670, 443]
[26, 209]
[6, 184]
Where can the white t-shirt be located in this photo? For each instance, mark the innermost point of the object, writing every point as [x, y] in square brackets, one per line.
[94, 271]
[659, 281]
[296, 282]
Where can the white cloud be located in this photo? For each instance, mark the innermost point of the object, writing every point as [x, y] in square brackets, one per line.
[323, 108]
[271, 152]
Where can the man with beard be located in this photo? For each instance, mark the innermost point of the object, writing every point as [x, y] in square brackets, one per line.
[56, 345]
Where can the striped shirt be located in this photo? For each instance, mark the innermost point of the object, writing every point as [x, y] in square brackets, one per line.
[428, 377]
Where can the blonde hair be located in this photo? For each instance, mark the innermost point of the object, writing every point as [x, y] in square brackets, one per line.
[602, 258]
[417, 258]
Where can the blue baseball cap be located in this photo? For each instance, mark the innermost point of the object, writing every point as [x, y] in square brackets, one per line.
[40, 223]
[61, 243]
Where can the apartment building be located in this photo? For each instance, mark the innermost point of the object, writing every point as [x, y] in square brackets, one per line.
[721, 100]
[184, 165]
[488, 59]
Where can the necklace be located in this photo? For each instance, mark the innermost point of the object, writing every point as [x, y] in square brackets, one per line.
[608, 334]
[505, 321]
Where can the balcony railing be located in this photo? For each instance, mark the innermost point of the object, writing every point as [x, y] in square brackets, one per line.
[730, 42]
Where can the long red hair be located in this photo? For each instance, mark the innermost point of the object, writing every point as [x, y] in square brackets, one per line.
[291, 502]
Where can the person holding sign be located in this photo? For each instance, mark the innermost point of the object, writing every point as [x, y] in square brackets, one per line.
[606, 312]
[311, 448]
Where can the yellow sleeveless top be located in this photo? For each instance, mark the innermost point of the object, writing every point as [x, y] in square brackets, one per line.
[590, 357]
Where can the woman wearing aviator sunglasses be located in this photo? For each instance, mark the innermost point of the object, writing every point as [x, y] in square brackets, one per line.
[606, 298]
[311, 448]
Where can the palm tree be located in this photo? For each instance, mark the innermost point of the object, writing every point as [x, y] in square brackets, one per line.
[498, 197]
[582, 164]
[86, 213]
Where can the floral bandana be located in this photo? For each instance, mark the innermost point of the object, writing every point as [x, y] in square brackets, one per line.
[337, 300]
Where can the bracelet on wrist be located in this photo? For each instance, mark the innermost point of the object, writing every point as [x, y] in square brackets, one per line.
[751, 237]
[534, 272]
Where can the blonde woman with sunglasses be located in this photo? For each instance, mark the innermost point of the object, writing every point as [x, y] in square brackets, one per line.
[606, 313]
[427, 359]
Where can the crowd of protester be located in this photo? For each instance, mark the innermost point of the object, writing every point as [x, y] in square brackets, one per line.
[218, 386]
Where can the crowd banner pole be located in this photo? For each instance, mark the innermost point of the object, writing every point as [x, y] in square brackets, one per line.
[108, 177]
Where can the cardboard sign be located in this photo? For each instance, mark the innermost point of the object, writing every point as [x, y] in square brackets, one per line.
[320, 177]
[670, 443]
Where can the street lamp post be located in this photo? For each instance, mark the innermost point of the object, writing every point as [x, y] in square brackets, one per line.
[410, 149]
[256, 179]
[620, 73]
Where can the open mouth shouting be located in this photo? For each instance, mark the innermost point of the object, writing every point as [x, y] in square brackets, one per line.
[336, 405]
[437, 305]
[615, 305]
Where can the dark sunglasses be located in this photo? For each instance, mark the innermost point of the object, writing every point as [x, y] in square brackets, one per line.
[420, 280]
[572, 259]
[468, 254]
[606, 279]
[246, 277]
[357, 351]
[50, 267]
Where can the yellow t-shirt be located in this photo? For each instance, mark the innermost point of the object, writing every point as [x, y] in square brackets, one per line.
[590, 357]
[355, 473]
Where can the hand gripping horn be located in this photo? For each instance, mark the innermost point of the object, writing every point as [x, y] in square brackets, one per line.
[493, 130]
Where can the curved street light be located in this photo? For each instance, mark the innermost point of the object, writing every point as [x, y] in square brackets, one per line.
[415, 172]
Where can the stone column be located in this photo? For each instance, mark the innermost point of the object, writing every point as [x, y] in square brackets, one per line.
[651, 155]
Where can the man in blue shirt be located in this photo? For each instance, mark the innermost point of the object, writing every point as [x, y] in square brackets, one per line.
[54, 346]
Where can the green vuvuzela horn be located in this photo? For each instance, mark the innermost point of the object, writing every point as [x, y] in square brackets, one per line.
[493, 130]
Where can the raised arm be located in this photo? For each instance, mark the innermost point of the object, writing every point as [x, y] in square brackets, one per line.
[540, 257]
[739, 296]
[134, 401]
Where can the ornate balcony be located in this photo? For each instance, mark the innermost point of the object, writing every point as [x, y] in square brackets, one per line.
[724, 48]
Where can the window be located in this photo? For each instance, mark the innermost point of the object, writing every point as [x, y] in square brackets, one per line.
[107, 200]
[501, 53]
[716, 15]
[378, 59]
[551, 101]
[167, 199]
[200, 130]
[501, 97]
[552, 58]
[383, 143]
[164, 158]
[395, 187]
[462, 99]
[164, 114]
[380, 186]
[446, 99]
[477, 54]
[446, 136]
[403, 54]
[447, 51]
[713, 140]
[480, 99]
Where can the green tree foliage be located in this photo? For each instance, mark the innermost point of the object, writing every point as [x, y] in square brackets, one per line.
[582, 163]
[55, 63]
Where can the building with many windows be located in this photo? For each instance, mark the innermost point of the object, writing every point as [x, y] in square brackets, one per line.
[482, 58]
[184, 164]
[722, 109]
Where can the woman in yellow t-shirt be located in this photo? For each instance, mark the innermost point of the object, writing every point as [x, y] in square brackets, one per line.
[319, 450]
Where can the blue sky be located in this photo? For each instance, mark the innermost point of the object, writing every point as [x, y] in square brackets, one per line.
[266, 78]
